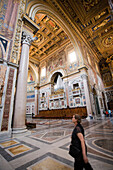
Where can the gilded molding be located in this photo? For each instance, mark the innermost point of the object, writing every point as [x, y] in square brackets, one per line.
[17, 36]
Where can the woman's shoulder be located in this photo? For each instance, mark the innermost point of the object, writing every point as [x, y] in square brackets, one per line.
[79, 128]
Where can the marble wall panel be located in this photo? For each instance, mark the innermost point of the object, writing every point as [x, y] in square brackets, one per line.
[6, 111]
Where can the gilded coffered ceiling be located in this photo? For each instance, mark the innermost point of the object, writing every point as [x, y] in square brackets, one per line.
[91, 18]
[50, 37]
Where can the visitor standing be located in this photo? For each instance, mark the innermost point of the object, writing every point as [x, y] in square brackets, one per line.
[81, 161]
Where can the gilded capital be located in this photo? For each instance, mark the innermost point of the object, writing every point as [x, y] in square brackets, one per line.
[27, 39]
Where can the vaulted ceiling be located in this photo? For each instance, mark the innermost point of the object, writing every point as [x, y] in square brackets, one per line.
[92, 18]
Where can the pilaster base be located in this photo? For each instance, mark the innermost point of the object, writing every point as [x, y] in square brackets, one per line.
[17, 132]
[5, 135]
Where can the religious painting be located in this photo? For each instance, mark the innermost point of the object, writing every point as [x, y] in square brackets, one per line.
[31, 77]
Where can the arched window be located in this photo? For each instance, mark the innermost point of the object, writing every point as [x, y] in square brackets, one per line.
[43, 72]
[72, 56]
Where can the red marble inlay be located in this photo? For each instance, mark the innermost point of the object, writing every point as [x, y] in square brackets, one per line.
[7, 101]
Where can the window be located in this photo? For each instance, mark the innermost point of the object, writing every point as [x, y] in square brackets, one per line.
[43, 72]
[75, 86]
[72, 56]
[43, 94]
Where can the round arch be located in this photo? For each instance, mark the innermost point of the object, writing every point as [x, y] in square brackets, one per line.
[61, 71]
[36, 6]
[55, 76]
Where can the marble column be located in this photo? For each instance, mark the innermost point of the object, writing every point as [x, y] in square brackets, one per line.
[21, 90]
[36, 99]
[87, 95]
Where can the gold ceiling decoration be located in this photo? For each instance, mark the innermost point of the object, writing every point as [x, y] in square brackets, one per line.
[91, 18]
[50, 37]
[108, 41]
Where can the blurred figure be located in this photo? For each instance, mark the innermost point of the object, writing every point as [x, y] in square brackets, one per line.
[109, 111]
[107, 114]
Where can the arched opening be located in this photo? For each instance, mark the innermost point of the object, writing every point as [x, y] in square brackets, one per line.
[57, 82]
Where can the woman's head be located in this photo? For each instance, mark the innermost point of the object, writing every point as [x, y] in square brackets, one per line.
[76, 118]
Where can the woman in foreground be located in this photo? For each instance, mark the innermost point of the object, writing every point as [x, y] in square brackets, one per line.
[78, 141]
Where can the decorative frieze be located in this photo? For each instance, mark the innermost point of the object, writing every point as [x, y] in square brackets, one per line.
[17, 37]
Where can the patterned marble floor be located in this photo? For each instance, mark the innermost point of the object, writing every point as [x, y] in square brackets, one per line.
[47, 146]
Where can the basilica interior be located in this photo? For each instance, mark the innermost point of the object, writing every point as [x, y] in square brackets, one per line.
[56, 60]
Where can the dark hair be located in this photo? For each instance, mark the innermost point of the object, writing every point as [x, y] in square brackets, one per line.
[78, 117]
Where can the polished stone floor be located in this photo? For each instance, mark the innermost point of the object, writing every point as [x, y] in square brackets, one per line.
[46, 148]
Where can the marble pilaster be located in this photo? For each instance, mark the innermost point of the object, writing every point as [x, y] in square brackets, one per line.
[87, 95]
[36, 99]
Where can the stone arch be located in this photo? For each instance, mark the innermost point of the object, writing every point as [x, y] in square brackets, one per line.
[50, 78]
[54, 77]
[36, 6]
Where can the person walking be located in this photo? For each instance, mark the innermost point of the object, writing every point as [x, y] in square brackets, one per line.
[109, 111]
[77, 139]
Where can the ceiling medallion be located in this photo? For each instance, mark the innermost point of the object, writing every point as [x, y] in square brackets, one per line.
[39, 36]
[108, 41]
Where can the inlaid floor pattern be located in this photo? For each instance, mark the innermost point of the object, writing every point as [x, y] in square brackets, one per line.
[46, 148]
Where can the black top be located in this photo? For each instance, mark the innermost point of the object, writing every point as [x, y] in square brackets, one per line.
[75, 140]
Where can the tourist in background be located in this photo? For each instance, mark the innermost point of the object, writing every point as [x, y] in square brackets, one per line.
[109, 111]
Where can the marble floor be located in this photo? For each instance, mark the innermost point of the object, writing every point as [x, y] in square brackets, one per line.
[46, 148]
